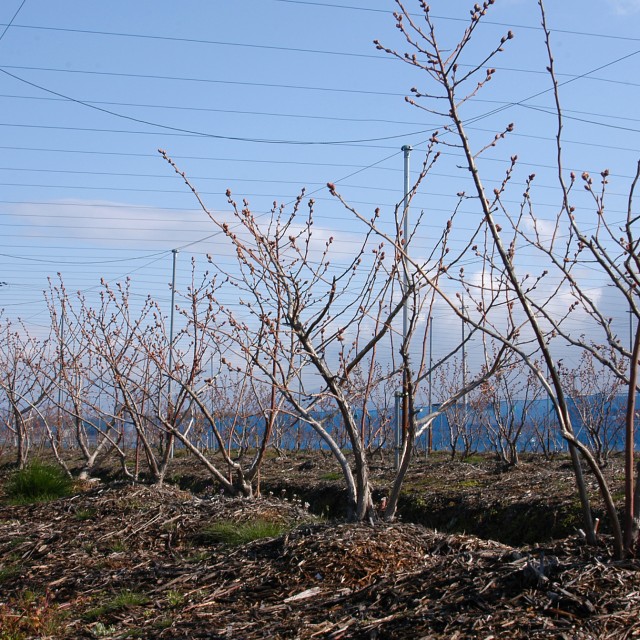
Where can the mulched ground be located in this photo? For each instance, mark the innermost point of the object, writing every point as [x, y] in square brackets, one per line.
[122, 561]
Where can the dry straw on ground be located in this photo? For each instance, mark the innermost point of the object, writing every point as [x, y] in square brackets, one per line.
[135, 561]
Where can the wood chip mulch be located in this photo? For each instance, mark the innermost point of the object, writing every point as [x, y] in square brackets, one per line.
[64, 564]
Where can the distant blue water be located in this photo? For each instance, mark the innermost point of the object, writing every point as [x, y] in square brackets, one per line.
[291, 433]
[540, 412]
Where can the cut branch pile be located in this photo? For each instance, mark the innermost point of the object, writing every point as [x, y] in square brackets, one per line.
[134, 560]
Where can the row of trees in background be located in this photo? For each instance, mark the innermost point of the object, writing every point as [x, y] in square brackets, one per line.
[60, 395]
[293, 324]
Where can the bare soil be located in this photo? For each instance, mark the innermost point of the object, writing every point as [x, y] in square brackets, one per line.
[478, 551]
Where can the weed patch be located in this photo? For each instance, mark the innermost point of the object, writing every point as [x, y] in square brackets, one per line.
[238, 533]
[123, 600]
[30, 615]
[117, 546]
[85, 514]
[331, 476]
[175, 598]
[38, 483]
[8, 571]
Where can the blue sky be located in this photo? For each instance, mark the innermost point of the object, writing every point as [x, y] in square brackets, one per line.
[265, 97]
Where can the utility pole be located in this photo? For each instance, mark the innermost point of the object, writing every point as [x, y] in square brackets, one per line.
[406, 149]
[630, 486]
[630, 321]
[548, 415]
[430, 430]
[405, 236]
[399, 396]
[464, 355]
[173, 298]
[61, 364]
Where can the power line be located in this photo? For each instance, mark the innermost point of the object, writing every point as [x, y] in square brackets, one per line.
[222, 43]
[520, 103]
[542, 109]
[203, 134]
[359, 169]
[57, 261]
[325, 216]
[148, 76]
[590, 34]
[184, 131]
[171, 133]
[288, 162]
[243, 160]
[10, 23]
[294, 183]
[270, 114]
[179, 135]
[516, 134]
[585, 120]
[314, 51]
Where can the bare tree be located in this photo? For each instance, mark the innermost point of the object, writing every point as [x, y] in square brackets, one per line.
[78, 388]
[511, 398]
[23, 359]
[118, 335]
[455, 76]
[301, 311]
[595, 393]
[462, 428]
[378, 417]
[239, 408]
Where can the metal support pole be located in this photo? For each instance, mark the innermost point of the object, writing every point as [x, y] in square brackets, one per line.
[405, 309]
[59, 430]
[173, 298]
[548, 416]
[464, 357]
[630, 321]
[398, 435]
[430, 430]
[405, 236]
[631, 488]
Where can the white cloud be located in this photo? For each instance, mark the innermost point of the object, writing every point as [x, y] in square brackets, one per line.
[546, 229]
[121, 225]
[112, 224]
[625, 7]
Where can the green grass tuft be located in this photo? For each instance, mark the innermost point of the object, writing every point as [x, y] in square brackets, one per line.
[238, 533]
[85, 514]
[331, 476]
[122, 600]
[117, 546]
[38, 482]
[100, 630]
[175, 598]
[8, 572]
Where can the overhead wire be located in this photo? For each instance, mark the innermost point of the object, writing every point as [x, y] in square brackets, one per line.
[223, 43]
[550, 89]
[358, 171]
[149, 76]
[195, 132]
[11, 22]
[204, 41]
[329, 52]
[309, 116]
[58, 261]
[300, 87]
[306, 116]
[590, 34]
